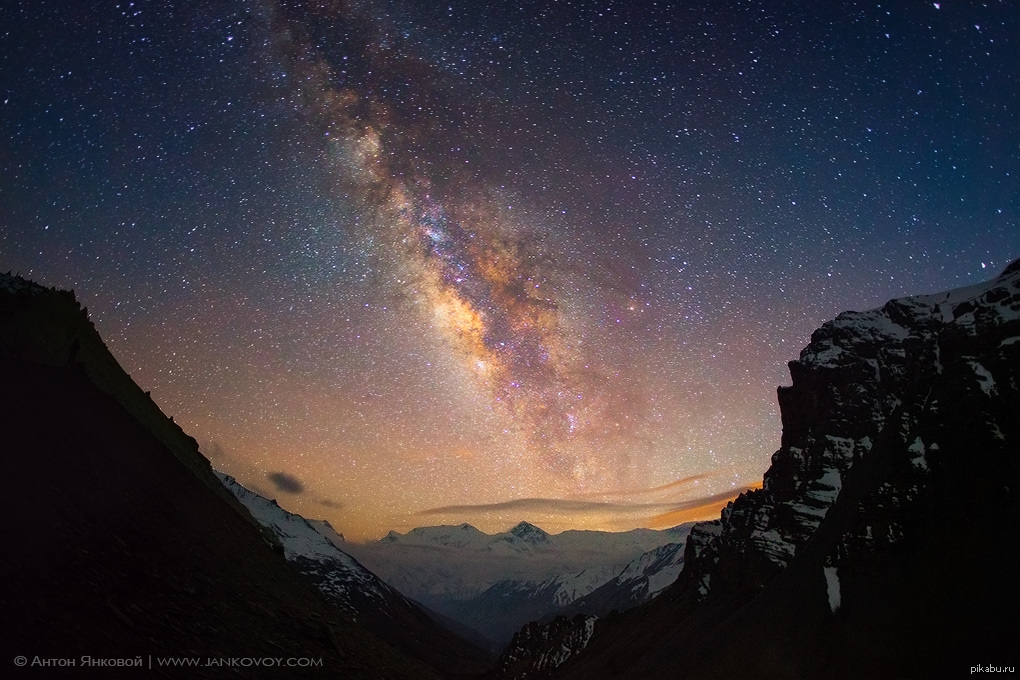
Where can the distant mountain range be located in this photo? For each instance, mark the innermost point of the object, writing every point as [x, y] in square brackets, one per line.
[495, 583]
[460, 562]
[158, 560]
[496, 613]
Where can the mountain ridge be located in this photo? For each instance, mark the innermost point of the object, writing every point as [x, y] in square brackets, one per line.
[400, 559]
[49, 327]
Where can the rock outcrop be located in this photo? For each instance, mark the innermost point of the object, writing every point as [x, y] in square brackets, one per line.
[540, 648]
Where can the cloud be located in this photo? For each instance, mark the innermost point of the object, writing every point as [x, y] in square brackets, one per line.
[679, 483]
[652, 490]
[214, 451]
[331, 504]
[546, 505]
[286, 483]
[697, 509]
[556, 506]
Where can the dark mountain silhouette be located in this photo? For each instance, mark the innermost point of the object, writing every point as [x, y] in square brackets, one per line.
[538, 649]
[879, 546]
[121, 543]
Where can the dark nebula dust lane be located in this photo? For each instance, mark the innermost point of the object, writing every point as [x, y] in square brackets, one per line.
[490, 261]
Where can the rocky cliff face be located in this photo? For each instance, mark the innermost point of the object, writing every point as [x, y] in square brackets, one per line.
[877, 545]
[886, 376]
[539, 648]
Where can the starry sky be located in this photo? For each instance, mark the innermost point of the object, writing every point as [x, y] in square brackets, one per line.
[398, 263]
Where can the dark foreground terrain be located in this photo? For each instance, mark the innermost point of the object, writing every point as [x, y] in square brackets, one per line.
[115, 550]
[120, 543]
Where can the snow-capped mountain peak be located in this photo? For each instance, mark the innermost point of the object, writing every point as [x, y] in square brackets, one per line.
[461, 535]
[313, 540]
[529, 533]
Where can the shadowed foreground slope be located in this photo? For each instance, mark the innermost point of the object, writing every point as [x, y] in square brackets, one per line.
[115, 549]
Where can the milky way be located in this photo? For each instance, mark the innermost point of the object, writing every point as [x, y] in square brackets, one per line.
[405, 263]
[480, 274]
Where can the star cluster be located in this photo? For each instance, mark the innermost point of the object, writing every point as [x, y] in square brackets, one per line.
[399, 263]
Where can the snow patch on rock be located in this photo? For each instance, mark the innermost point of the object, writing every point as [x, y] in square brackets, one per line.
[832, 587]
[985, 379]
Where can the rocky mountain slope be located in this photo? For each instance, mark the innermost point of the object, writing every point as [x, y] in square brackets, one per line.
[881, 542]
[49, 327]
[640, 581]
[503, 608]
[116, 547]
[538, 649]
[500, 610]
[314, 548]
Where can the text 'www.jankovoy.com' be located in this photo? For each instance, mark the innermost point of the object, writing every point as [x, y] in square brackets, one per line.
[151, 662]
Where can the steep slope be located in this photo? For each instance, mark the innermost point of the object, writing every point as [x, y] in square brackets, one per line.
[49, 327]
[115, 549]
[538, 649]
[314, 548]
[498, 612]
[880, 543]
[639, 582]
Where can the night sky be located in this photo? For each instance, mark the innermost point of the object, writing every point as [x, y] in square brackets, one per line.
[399, 263]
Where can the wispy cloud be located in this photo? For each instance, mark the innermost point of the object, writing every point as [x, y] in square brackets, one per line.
[678, 484]
[697, 509]
[557, 506]
[544, 505]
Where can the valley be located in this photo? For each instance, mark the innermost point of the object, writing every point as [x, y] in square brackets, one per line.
[876, 534]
